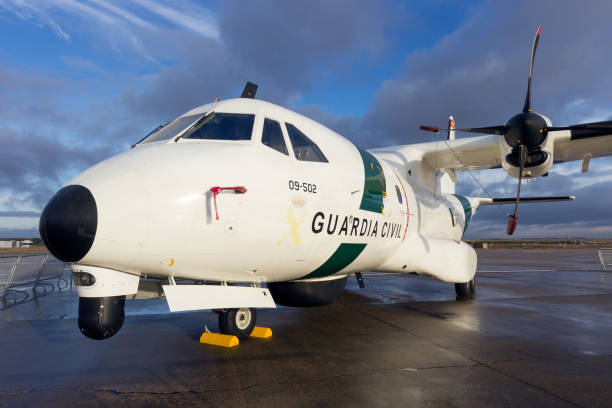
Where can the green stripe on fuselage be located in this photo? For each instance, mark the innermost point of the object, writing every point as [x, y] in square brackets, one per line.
[344, 255]
[374, 184]
[467, 209]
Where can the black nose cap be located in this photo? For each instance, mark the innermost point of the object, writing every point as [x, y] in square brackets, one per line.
[68, 223]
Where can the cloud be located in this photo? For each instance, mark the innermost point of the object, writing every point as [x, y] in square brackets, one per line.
[282, 49]
[123, 14]
[587, 216]
[19, 233]
[33, 166]
[289, 43]
[190, 16]
[115, 22]
[19, 214]
[29, 12]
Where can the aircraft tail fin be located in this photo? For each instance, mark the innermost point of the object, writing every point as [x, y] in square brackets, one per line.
[451, 125]
[445, 182]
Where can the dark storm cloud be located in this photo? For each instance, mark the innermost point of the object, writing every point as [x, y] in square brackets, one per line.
[33, 165]
[282, 46]
[19, 214]
[478, 73]
[204, 73]
[585, 216]
[44, 141]
[285, 43]
[19, 233]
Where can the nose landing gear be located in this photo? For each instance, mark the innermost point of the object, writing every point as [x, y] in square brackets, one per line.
[237, 322]
[235, 325]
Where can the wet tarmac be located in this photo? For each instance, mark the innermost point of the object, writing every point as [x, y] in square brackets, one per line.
[538, 334]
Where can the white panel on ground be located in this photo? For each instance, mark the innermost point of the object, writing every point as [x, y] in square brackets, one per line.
[197, 297]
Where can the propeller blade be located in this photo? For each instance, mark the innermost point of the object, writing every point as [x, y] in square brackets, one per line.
[527, 106]
[586, 130]
[513, 219]
[605, 125]
[512, 222]
[489, 130]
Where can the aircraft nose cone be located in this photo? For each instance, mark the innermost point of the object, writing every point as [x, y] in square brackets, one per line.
[68, 223]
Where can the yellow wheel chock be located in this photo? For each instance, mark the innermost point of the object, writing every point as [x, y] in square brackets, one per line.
[227, 340]
[261, 332]
[218, 339]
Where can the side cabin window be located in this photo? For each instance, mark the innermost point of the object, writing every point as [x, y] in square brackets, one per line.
[399, 194]
[222, 126]
[304, 148]
[272, 136]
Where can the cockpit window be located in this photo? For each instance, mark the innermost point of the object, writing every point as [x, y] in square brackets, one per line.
[272, 136]
[223, 126]
[304, 148]
[172, 129]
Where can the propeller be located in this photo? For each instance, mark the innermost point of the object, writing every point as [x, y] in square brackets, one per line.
[526, 128]
[526, 132]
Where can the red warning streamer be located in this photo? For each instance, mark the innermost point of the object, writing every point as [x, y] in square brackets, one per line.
[216, 190]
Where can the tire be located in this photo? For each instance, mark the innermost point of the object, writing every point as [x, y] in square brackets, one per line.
[237, 322]
[465, 291]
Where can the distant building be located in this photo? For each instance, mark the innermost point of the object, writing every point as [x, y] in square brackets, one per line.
[25, 243]
[7, 244]
[483, 245]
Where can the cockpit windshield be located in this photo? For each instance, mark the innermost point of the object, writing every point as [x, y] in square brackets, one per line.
[173, 129]
[222, 126]
[209, 126]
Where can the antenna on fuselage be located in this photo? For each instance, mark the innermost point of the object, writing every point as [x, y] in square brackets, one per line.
[250, 89]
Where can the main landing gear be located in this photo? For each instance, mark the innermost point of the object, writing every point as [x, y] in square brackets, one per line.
[467, 290]
[237, 322]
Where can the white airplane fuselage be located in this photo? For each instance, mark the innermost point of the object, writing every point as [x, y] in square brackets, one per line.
[296, 220]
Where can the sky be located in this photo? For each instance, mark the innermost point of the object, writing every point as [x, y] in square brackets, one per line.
[82, 80]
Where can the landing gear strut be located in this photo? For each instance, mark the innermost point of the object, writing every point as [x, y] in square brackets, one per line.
[467, 290]
[237, 322]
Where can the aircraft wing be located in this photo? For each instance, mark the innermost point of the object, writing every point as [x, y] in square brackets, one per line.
[483, 152]
[469, 153]
[580, 143]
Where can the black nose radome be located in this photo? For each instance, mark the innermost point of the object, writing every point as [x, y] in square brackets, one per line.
[68, 223]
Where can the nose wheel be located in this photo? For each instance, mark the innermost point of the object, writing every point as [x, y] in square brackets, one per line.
[237, 322]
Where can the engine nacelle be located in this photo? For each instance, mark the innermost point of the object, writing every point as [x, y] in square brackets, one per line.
[539, 160]
[308, 292]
